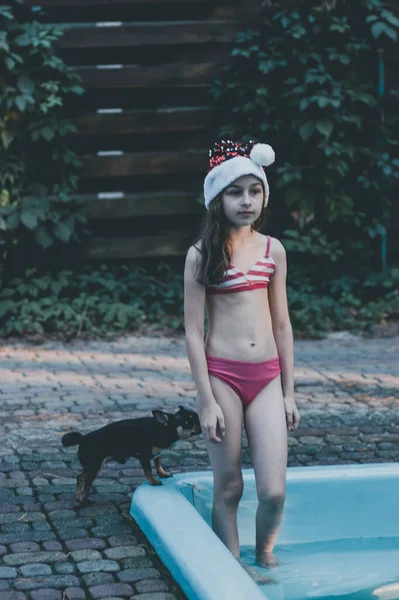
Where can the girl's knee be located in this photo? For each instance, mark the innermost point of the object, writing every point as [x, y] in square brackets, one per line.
[272, 499]
[229, 488]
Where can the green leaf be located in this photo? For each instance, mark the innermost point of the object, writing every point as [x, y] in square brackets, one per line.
[47, 133]
[10, 63]
[22, 289]
[4, 45]
[77, 89]
[38, 212]
[366, 98]
[324, 127]
[6, 306]
[35, 205]
[25, 84]
[18, 326]
[37, 327]
[20, 102]
[13, 220]
[390, 17]
[23, 40]
[265, 66]
[306, 130]
[380, 28]
[322, 101]
[43, 283]
[5, 11]
[7, 292]
[6, 137]
[43, 237]
[304, 103]
[63, 232]
[28, 219]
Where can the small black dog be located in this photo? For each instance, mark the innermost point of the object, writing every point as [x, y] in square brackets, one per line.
[141, 438]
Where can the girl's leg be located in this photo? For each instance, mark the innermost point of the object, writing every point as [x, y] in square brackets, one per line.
[266, 429]
[225, 459]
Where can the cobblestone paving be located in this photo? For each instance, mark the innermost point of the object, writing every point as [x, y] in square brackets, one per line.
[51, 549]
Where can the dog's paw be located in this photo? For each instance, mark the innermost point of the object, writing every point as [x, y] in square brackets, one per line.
[88, 502]
[165, 475]
[84, 501]
[155, 482]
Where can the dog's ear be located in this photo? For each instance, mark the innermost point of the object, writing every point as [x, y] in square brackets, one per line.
[182, 408]
[161, 416]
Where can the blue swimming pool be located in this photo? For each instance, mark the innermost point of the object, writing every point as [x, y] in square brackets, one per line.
[339, 537]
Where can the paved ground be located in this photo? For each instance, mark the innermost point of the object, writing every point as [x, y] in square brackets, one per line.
[347, 391]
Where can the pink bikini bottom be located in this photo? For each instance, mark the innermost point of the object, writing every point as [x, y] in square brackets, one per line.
[247, 379]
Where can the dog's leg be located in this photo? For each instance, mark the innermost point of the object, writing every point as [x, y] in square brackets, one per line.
[86, 478]
[80, 479]
[90, 477]
[163, 474]
[146, 464]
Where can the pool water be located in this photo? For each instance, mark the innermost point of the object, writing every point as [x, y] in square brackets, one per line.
[327, 544]
[352, 569]
[339, 537]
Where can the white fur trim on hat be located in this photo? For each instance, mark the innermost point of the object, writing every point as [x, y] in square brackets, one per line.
[229, 170]
[262, 154]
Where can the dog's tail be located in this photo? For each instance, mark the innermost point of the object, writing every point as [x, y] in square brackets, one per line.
[72, 439]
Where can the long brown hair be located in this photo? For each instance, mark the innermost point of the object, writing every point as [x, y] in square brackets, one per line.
[215, 245]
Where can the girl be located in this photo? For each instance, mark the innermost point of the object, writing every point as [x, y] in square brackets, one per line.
[243, 370]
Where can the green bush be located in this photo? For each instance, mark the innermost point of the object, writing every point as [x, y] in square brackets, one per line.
[113, 300]
[343, 304]
[304, 79]
[100, 302]
[38, 171]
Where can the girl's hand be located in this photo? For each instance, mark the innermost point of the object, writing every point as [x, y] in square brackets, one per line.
[291, 413]
[212, 422]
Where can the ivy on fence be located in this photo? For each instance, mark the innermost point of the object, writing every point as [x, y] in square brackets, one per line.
[38, 169]
[304, 78]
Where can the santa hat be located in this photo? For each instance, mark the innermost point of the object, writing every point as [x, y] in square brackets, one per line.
[230, 160]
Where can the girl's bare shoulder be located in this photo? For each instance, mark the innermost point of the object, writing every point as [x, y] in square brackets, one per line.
[194, 254]
[277, 249]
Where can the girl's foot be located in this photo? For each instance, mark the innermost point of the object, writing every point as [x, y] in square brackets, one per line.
[267, 560]
[258, 578]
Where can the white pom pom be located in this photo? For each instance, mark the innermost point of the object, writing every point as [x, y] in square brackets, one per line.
[262, 154]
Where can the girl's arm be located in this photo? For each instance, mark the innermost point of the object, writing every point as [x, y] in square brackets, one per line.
[282, 331]
[211, 415]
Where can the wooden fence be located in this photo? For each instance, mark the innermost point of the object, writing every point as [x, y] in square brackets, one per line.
[145, 122]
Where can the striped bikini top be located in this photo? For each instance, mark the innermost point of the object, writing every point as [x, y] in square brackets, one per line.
[257, 277]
